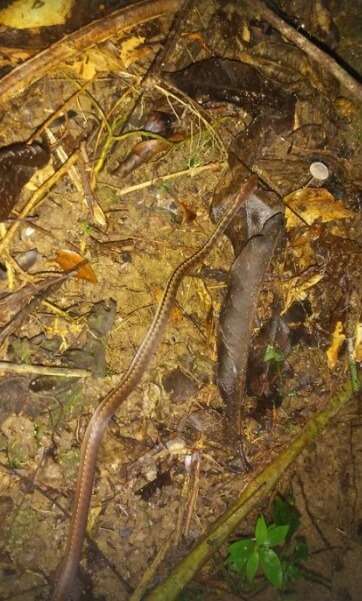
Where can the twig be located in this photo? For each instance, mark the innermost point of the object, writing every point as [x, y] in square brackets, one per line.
[90, 197]
[61, 372]
[313, 51]
[191, 172]
[252, 494]
[96, 32]
[190, 105]
[194, 491]
[150, 572]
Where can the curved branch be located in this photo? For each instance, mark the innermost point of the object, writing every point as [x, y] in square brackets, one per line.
[96, 32]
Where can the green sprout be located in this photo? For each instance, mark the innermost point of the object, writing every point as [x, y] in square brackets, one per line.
[272, 551]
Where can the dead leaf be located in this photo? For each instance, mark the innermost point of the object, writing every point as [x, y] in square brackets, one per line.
[196, 36]
[141, 153]
[98, 215]
[68, 259]
[338, 339]
[313, 204]
[14, 56]
[345, 108]
[358, 343]
[297, 288]
[93, 61]
[130, 50]
[94, 512]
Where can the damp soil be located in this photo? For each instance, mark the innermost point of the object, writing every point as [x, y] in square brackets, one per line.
[166, 468]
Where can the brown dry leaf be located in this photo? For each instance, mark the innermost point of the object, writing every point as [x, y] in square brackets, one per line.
[131, 52]
[68, 259]
[358, 343]
[338, 339]
[196, 36]
[313, 204]
[297, 289]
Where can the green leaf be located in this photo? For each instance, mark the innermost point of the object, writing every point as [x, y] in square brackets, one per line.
[286, 513]
[291, 573]
[273, 354]
[252, 565]
[277, 534]
[261, 531]
[301, 551]
[239, 553]
[272, 567]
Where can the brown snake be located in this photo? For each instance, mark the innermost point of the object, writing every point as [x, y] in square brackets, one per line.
[109, 405]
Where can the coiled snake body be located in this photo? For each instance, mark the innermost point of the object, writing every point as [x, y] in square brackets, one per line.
[109, 405]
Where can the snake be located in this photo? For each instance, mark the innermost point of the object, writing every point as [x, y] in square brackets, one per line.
[113, 400]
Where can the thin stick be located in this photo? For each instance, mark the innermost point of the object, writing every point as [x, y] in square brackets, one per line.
[191, 172]
[44, 370]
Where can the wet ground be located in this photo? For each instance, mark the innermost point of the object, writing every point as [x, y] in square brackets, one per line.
[165, 467]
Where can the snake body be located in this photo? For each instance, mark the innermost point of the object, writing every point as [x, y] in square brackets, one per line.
[109, 405]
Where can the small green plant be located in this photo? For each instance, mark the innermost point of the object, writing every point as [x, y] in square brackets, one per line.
[86, 228]
[273, 354]
[259, 553]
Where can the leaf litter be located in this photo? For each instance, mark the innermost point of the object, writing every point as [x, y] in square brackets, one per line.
[145, 211]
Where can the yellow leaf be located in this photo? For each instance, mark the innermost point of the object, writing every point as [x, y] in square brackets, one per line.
[358, 343]
[297, 288]
[313, 204]
[130, 51]
[338, 339]
[24, 14]
[93, 61]
[94, 512]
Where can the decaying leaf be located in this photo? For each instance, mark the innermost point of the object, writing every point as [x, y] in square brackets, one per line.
[157, 122]
[196, 36]
[95, 60]
[68, 259]
[358, 343]
[94, 512]
[313, 204]
[141, 153]
[132, 50]
[338, 338]
[296, 289]
[14, 56]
